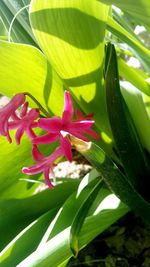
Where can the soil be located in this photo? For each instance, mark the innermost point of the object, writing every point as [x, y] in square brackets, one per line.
[124, 244]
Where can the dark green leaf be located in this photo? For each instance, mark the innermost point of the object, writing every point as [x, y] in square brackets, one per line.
[125, 135]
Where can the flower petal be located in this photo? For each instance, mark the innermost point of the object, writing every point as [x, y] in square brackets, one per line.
[47, 179]
[36, 154]
[30, 133]
[33, 169]
[24, 109]
[45, 139]
[66, 147]
[80, 116]
[68, 109]
[80, 126]
[50, 124]
[18, 135]
[93, 134]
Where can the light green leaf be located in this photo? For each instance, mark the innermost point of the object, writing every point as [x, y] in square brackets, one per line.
[24, 68]
[12, 159]
[75, 48]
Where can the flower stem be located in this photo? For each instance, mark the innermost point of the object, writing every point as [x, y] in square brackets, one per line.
[38, 104]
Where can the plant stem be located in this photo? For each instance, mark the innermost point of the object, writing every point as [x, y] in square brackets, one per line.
[38, 104]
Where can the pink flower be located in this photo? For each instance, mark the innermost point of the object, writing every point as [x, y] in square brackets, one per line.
[25, 121]
[59, 128]
[44, 164]
[8, 111]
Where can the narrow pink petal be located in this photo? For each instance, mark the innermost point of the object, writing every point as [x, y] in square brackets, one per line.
[30, 133]
[68, 108]
[9, 138]
[3, 127]
[34, 124]
[56, 154]
[80, 126]
[93, 134]
[80, 116]
[33, 169]
[33, 114]
[17, 100]
[18, 135]
[66, 147]
[8, 110]
[36, 154]
[24, 109]
[45, 139]
[51, 124]
[47, 179]
[14, 124]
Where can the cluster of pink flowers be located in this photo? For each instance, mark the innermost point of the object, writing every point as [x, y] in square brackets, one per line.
[17, 115]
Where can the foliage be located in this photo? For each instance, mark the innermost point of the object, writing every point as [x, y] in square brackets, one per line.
[47, 47]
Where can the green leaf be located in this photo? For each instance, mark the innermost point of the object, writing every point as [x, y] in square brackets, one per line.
[75, 48]
[135, 102]
[12, 160]
[24, 68]
[26, 241]
[68, 211]
[21, 30]
[126, 139]
[57, 249]
[79, 32]
[141, 12]
[81, 215]
[114, 178]
[139, 50]
[135, 76]
[21, 212]
[3, 31]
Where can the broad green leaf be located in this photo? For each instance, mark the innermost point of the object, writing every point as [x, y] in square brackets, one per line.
[21, 212]
[75, 48]
[126, 138]
[12, 159]
[76, 40]
[24, 68]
